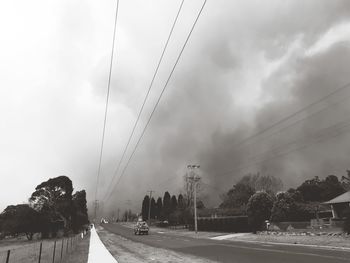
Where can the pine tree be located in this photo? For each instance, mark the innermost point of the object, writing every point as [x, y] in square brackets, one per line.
[153, 208]
[181, 202]
[159, 210]
[166, 205]
[145, 206]
[173, 203]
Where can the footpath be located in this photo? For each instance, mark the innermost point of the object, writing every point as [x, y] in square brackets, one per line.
[97, 250]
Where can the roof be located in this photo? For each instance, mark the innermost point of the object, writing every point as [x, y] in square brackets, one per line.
[343, 198]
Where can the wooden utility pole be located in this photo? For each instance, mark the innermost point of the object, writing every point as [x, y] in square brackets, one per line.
[194, 179]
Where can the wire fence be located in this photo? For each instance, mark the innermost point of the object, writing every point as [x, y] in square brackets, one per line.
[46, 251]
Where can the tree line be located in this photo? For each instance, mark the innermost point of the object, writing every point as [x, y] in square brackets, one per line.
[174, 209]
[52, 207]
[260, 197]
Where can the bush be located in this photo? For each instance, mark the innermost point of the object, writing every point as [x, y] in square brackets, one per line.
[259, 209]
[347, 221]
[224, 224]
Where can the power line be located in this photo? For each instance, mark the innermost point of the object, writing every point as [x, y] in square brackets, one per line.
[343, 98]
[107, 101]
[161, 94]
[292, 115]
[316, 138]
[147, 94]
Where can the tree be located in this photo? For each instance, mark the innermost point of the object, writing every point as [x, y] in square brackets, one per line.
[53, 198]
[237, 196]
[153, 208]
[181, 202]
[331, 187]
[159, 209]
[80, 216]
[316, 190]
[258, 182]
[173, 203]
[345, 180]
[284, 208]
[295, 195]
[145, 207]
[189, 188]
[166, 205]
[311, 189]
[259, 209]
[21, 218]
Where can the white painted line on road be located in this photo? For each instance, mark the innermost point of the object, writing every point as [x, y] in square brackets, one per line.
[228, 236]
[97, 250]
[160, 232]
[286, 252]
[295, 245]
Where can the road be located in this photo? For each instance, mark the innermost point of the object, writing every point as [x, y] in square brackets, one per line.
[233, 251]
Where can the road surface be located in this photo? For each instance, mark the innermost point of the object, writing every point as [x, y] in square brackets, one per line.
[233, 251]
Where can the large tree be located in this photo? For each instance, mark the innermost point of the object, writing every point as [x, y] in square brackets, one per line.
[258, 182]
[237, 196]
[159, 209]
[154, 211]
[181, 202]
[259, 209]
[173, 203]
[53, 198]
[80, 216]
[317, 190]
[166, 205]
[17, 219]
[145, 207]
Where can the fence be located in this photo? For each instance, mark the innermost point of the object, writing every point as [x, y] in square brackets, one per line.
[46, 251]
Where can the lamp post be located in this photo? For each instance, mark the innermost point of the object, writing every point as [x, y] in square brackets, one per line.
[194, 178]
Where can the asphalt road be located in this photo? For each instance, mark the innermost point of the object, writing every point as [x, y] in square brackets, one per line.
[233, 251]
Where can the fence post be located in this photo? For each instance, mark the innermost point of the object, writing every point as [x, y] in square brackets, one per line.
[41, 247]
[67, 245]
[62, 249]
[54, 252]
[8, 256]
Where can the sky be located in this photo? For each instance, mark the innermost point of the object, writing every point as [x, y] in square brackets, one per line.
[247, 65]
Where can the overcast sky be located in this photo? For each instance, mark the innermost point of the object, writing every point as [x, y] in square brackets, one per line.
[247, 65]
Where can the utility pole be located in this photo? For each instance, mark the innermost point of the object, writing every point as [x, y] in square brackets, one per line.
[118, 214]
[194, 179]
[149, 206]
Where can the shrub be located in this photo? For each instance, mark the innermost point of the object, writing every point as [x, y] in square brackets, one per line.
[259, 209]
[347, 221]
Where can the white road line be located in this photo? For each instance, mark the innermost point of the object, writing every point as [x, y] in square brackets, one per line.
[97, 250]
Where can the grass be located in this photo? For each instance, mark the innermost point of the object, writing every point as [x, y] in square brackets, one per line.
[81, 252]
[27, 252]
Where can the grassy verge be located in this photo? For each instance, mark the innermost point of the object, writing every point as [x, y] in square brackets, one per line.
[81, 252]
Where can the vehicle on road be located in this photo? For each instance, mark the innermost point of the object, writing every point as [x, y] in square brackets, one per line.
[141, 228]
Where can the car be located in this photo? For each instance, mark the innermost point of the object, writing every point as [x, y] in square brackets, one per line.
[141, 228]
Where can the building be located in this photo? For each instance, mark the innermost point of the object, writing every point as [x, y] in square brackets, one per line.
[339, 204]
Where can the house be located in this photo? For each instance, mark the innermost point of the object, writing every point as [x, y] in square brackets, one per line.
[339, 204]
